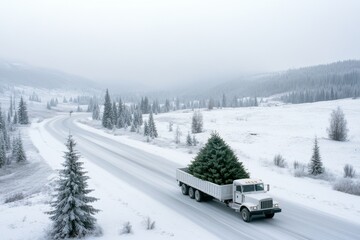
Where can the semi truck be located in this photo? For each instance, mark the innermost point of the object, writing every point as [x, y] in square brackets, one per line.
[247, 196]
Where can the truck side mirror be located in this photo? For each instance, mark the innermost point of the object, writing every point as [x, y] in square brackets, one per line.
[267, 187]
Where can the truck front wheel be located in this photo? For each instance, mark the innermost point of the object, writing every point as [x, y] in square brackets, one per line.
[198, 196]
[245, 214]
[191, 192]
[184, 189]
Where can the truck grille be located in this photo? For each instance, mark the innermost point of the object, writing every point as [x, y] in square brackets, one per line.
[267, 204]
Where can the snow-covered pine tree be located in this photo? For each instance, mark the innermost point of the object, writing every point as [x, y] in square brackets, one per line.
[96, 112]
[2, 150]
[194, 140]
[189, 140]
[115, 113]
[23, 114]
[223, 103]
[15, 120]
[72, 215]
[11, 108]
[133, 128]
[338, 126]
[20, 155]
[152, 127]
[146, 129]
[197, 122]
[316, 166]
[107, 119]
[216, 162]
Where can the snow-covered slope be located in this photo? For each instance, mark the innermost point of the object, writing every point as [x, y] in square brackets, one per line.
[258, 134]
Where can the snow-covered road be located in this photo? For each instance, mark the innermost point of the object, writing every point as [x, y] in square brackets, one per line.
[155, 176]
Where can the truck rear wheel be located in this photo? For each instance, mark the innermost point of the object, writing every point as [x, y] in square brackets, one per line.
[270, 215]
[198, 196]
[245, 214]
[191, 193]
[184, 189]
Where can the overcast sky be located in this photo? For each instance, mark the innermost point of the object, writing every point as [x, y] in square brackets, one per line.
[166, 42]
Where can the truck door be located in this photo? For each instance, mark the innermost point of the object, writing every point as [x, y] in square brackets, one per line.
[238, 195]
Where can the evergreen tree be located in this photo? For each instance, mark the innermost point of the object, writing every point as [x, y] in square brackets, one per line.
[197, 122]
[115, 113]
[178, 134]
[223, 104]
[146, 129]
[107, 120]
[15, 120]
[315, 166]
[152, 127]
[216, 162]
[211, 104]
[194, 140]
[189, 140]
[96, 112]
[2, 150]
[23, 115]
[19, 152]
[338, 126]
[72, 215]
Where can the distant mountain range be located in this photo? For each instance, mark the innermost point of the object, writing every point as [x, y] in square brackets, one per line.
[338, 75]
[12, 73]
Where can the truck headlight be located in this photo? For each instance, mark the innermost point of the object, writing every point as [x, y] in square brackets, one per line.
[254, 208]
[276, 205]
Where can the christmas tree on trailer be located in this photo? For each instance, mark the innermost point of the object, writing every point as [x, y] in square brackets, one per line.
[216, 162]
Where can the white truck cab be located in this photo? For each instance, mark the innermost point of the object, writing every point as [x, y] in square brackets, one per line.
[250, 198]
[247, 196]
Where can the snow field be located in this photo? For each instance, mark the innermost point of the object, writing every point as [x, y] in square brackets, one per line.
[257, 134]
[118, 201]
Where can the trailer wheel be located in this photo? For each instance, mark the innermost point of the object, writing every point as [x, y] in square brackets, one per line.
[184, 189]
[270, 215]
[191, 193]
[198, 196]
[245, 214]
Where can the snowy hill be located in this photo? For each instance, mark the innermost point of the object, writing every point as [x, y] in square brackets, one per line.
[14, 74]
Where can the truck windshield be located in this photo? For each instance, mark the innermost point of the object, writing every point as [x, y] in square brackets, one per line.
[252, 188]
[259, 187]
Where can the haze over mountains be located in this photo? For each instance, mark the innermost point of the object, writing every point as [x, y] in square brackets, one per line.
[343, 75]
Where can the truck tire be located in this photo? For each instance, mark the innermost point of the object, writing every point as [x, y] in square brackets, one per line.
[184, 189]
[191, 192]
[245, 214]
[198, 196]
[269, 215]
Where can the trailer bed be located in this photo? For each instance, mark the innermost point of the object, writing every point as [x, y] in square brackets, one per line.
[220, 192]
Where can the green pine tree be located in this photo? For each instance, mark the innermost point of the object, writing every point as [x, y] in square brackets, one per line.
[216, 162]
[20, 155]
[23, 115]
[315, 166]
[107, 120]
[72, 215]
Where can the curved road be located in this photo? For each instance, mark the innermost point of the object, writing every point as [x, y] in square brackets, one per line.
[155, 176]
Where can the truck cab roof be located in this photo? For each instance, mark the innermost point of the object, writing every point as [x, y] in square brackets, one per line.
[247, 181]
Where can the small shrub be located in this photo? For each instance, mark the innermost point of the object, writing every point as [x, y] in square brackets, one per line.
[347, 185]
[279, 161]
[349, 171]
[150, 224]
[127, 228]
[15, 197]
[300, 171]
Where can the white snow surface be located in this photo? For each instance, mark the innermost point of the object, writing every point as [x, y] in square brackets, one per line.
[257, 134]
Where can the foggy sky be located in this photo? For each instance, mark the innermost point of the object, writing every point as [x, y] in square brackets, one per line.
[162, 43]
